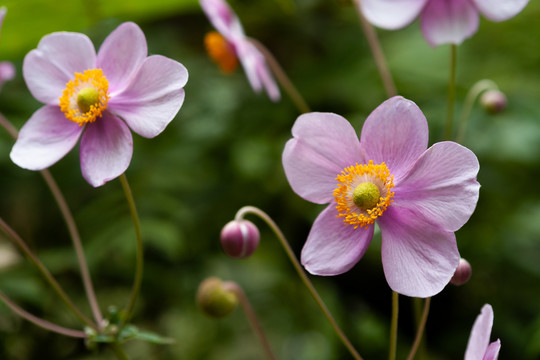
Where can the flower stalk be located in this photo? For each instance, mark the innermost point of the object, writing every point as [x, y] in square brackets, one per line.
[420, 330]
[392, 348]
[290, 254]
[451, 94]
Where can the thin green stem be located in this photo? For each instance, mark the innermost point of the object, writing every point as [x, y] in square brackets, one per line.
[451, 93]
[282, 78]
[418, 304]
[118, 350]
[378, 54]
[394, 326]
[40, 322]
[140, 249]
[420, 330]
[253, 210]
[72, 228]
[45, 272]
[475, 91]
[252, 317]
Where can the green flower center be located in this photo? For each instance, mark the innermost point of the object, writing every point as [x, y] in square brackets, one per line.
[366, 195]
[86, 98]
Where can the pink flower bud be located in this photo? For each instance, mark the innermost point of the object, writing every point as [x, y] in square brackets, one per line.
[462, 274]
[493, 101]
[240, 238]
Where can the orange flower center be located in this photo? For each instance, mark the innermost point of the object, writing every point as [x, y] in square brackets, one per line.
[85, 97]
[221, 51]
[363, 193]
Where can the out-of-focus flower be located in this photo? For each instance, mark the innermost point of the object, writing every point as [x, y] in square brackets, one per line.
[493, 101]
[8, 255]
[442, 21]
[214, 300]
[7, 70]
[239, 238]
[419, 197]
[231, 44]
[463, 273]
[479, 347]
[98, 98]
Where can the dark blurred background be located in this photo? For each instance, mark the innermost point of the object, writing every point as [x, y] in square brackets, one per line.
[223, 151]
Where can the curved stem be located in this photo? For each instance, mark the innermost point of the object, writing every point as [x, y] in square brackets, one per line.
[420, 330]
[475, 91]
[253, 210]
[282, 78]
[40, 322]
[118, 351]
[378, 54]
[46, 274]
[140, 250]
[252, 317]
[394, 326]
[72, 228]
[451, 93]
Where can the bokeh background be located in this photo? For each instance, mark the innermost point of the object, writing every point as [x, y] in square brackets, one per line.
[223, 151]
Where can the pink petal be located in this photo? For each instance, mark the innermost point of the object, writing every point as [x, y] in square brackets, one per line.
[54, 63]
[45, 138]
[441, 185]
[3, 12]
[418, 257]
[492, 352]
[480, 333]
[449, 22]
[268, 81]
[323, 145]
[256, 69]
[332, 247]
[106, 149]
[121, 55]
[154, 96]
[223, 18]
[395, 133]
[7, 72]
[391, 14]
[499, 10]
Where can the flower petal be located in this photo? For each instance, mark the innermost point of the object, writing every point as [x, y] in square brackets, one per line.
[154, 96]
[121, 55]
[7, 72]
[323, 145]
[480, 333]
[441, 185]
[492, 352]
[448, 22]
[45, 138]
[419, 258]
[106, 149]
[499, 10]
[54, 63]
[395, 133]
[332, 247]
[391, 14]
[262, 74]
[223, 18]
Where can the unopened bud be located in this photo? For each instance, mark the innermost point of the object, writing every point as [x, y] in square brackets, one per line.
[214, 300]
[462, 274]
[493, 101]
[239, 238]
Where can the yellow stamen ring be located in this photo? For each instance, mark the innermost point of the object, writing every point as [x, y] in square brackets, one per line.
[85, 97]
[221, 51]
[363, 193]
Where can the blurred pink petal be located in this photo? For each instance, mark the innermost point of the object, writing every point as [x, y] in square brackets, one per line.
[499, 10]
[449, 22]
[477, 347]
[391, 14]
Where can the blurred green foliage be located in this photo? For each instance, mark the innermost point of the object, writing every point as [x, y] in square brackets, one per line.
[224, 151]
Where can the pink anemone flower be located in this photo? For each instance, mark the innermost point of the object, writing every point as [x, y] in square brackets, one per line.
[98, 98]
[478, 347]
[231, 44]
[442, 21]
[418, 196]
[7, 70]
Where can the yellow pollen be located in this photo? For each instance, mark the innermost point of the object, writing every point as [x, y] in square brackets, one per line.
[363, 193]
[85, 97]
[221, 51]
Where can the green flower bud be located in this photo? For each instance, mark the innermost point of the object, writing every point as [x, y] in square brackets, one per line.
[214, 300]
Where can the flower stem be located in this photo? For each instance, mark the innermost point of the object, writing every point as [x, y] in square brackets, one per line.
[40, 322]
[451, 93]
[118, 350]
[282, 78]
[72, 228]
[394, 326]
[378, 54]
[420, 330]
[252, 317]
[250, 209]
[475, 91]
[140, 250]
[46, 274]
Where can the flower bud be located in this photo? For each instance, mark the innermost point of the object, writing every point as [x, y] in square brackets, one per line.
[462, 274]
[493, 101]
[239, 238]
[214, 300]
